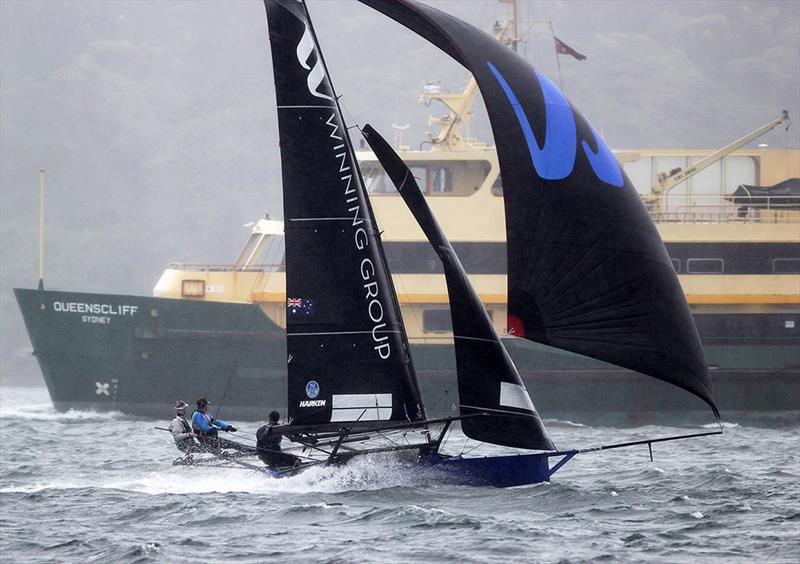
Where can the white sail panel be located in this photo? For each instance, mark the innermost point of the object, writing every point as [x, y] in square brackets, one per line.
[514, 395]
[361, 407]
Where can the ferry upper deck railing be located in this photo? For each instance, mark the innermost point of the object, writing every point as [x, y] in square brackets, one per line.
[671, 209]
[714, 208]
[226, 267]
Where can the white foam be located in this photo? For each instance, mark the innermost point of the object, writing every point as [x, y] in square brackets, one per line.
[697, 515]
[361, 474]
[372, 472]
[45, 412]
[564, 422]
[723, 424]
[173, 480]
[181, 480]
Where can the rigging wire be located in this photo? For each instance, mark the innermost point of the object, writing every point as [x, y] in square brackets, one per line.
[387, 439]
[266, 268]
[390, 254]
[464, 446]
[480, 444]
[447, 436]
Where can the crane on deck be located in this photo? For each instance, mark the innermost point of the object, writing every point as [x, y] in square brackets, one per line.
[667, 181]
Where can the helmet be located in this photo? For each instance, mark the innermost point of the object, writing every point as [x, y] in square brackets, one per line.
[202, 402]
[181, 405]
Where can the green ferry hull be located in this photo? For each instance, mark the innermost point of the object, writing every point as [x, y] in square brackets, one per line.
[138, 355]
[148, 352]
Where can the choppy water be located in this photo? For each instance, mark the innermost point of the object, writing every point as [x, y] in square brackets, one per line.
[89, 487]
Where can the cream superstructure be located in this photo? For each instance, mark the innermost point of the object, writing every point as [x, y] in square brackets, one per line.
[462, 181]
[465, 194]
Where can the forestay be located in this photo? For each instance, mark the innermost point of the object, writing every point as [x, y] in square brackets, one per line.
[587, 270]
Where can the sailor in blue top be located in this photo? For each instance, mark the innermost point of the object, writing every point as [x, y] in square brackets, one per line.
[207, 428]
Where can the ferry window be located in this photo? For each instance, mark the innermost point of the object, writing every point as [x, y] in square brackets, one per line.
[437, 321]
[705, 266]
[275, 254]
[497, 187]
[676, 264]
[267, 256]
[640, 173]
[442, 179]
[380, 184]
[786, 265]
[706, 186]
[376, 181]
[193, 288]
[420, 175]
[440, 320]
[738, 170]
[677, 199]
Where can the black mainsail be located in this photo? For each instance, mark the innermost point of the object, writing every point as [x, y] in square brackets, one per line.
[587, 270]
[488, 381]
[348, 358]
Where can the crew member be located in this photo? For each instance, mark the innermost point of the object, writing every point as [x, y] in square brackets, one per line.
[207, 428]
[268, 445]
[182, 431]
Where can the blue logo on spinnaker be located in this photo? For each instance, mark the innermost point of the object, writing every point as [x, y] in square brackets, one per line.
[312, 389]
[554, 159]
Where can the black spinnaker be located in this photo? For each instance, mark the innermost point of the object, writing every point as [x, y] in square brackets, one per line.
[488, 381]
[587, 270]
[348, 358]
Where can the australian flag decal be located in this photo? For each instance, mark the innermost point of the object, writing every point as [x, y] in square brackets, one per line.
[300, 307]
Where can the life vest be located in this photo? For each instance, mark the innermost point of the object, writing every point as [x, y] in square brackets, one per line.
[182, 442]
[210, 420]
[186, 427]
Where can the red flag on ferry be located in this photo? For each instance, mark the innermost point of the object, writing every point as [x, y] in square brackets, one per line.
[564, 49]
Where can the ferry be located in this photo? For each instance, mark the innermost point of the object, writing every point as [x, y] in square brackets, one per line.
[217, 330]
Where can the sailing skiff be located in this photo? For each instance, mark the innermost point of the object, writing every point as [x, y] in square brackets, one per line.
[587, 271]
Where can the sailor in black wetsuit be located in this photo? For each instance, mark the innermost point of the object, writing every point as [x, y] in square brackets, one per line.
[268, 445]
[207, 428]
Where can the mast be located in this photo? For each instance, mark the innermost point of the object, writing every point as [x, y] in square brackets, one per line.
[348, 359]
[514, 23]
[41, 229]
[558, 59]
[411, 380]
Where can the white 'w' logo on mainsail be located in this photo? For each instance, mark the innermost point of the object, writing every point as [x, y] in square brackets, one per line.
[317, 74]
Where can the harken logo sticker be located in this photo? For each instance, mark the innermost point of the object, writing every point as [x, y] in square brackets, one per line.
[312, 389]
[312, 403]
